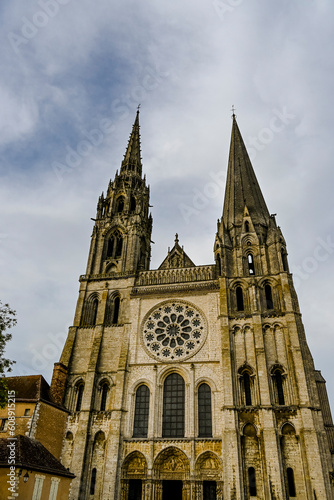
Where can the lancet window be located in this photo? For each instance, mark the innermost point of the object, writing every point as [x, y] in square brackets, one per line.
[173, 406]
[142, 406]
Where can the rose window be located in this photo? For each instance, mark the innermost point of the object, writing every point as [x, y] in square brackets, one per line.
[173, 331]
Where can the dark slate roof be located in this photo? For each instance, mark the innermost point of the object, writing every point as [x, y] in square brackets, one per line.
[242, 187]
[32, 455]
[32, 387]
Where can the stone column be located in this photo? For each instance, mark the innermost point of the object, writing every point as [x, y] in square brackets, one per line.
[147, 489]
[186, 490]
[157, 490]
[124, 489]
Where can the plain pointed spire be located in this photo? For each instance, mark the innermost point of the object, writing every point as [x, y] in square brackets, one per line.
[132, 157]
[242, 187]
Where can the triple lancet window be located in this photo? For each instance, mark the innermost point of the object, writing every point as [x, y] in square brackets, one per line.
[173, 409]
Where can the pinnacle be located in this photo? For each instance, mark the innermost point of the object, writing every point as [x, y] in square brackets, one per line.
[132, 158]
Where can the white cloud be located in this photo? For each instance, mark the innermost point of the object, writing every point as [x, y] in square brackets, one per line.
[187, 65]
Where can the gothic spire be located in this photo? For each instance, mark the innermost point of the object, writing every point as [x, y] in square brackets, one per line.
[242, 188]
[132, 158]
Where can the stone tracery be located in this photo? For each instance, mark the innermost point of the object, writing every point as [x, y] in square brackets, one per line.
[174, 330]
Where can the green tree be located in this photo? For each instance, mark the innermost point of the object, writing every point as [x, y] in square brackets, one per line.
[7, 320]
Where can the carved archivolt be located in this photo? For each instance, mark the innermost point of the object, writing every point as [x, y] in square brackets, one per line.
[208, 466]
[171, 463]
[134, 466]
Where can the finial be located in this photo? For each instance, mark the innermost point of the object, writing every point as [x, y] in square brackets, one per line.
[176, 238]
[233, 111]
[138, 108]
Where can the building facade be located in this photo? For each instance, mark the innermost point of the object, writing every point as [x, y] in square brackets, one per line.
[191, 382]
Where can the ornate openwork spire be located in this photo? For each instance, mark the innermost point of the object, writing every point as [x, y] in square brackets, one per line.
[242, 187]
[132, 158]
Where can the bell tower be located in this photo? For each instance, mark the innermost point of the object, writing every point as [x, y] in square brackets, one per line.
[121, 239]
[248, 241]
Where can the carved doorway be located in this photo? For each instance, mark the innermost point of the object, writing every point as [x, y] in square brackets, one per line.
[209, 490]
[135, 489]
[172, 490]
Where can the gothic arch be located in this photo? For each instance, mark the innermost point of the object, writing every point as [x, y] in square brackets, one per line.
[120, 203]
[292, 461]
[96, 464]
[269, 289]
[249, 429]
[171, 463]
[134, 466]
[251, 458]
[113, 307]
[78, 390]
[205, 380]
[114, 243]
[246, 376]
[208, 466]
[103, 394]
[90, 310]
[174, 369]
[288, 429]
[279, 384]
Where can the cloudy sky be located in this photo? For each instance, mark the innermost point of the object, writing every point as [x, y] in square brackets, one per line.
[72, 75]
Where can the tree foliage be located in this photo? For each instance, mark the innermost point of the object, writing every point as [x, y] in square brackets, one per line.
[7, 321]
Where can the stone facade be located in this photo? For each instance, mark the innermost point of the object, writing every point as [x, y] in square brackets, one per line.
[192, 382]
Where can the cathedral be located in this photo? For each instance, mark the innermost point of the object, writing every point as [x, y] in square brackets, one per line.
[191, 382]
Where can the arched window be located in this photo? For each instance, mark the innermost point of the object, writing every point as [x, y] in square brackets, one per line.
[278, 381]
[250, 260]
[247, 388]
[173, 406]
[219, 265]
[93, 482]
[142, 406]
[251, 482]
[104, 395]
[240, 298]
[133, 204]
[106, 209]
[142, 254]
[269, 297]
[291, 482]
[117, 302]
[119, 245]
[89, 313]
[112, 310]
[284, 260]
[114, 245]
[204, 411]
[94, 311]
[120, 204]
[246, 226]
[110, 247]
[80, 389]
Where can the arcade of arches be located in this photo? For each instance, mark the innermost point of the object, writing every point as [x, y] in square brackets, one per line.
[172, 477]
